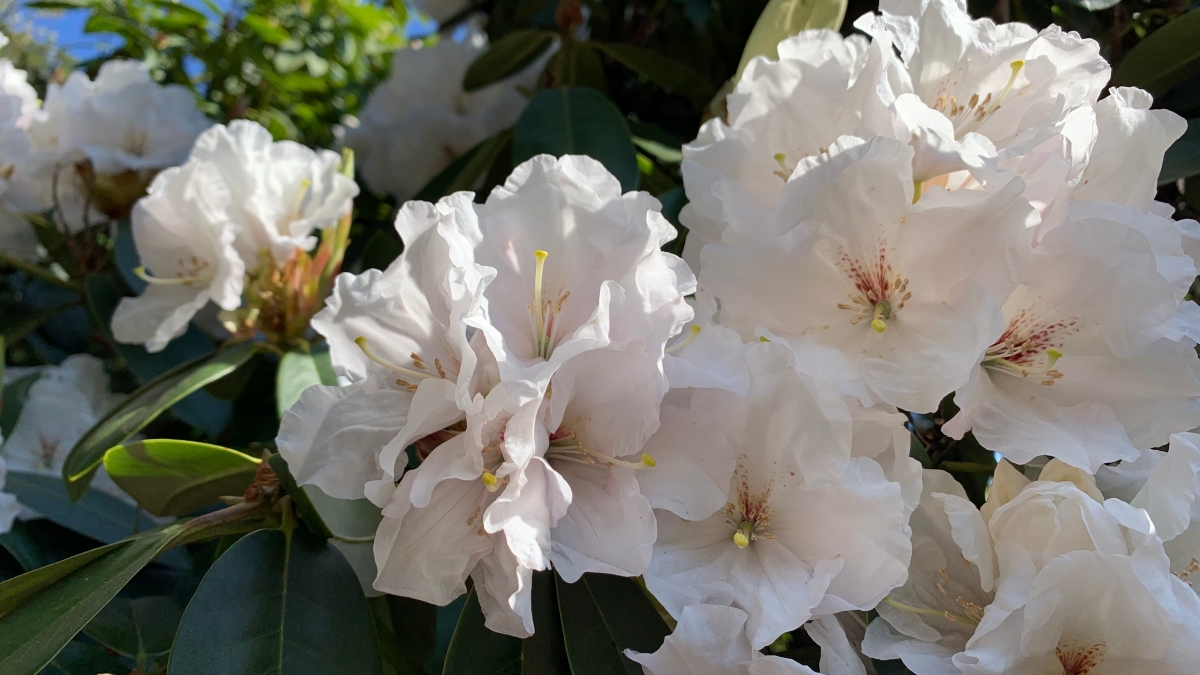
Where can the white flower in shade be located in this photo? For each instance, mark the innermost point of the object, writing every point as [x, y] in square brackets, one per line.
[9, 507]
[61, 406]
[186, 243]
[280, 192]
[19, 107]
[711, 639]
[823, 86]
[893, 300]
[971, 88]
[931, 617]
[420, 119]
[1080, 371]
[792, 439]
[1088, 613]
[123, 125]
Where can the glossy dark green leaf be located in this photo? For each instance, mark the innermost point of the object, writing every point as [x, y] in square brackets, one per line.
[299, 370]
[84, 657]
[1183, 157]
[96, 514]
[351, 520]
[591, 649]
[276, 604]
[174, 478]
[577, 121]
[200, 409]
[1164, 58]
[507, 57]
[475, 650]
[781, 19]
[629, 616]
[544, 653]
[411, 636]
[142, 406]
[661, 70]
[44, 609]
[21, 326]
[13, 400]
[139, 628]
[581, 67]
[382, 248]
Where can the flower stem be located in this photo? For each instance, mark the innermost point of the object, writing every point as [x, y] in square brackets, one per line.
[40, 272]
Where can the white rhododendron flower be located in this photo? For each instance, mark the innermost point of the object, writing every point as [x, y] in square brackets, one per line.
[1080, 370]
[1005, 589]
[894, 300]
[970, 88]
[240, 200]
[791, 435]
[19, 108]
[120, 128]
[420, 119]
[711, 639]
[60, 407]
[515, 477]
[280, 192]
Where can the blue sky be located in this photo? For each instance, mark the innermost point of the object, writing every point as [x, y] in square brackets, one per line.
[68, 26]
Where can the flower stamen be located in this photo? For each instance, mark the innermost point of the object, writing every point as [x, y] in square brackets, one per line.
[142, 274]
[361, 341]
[692, 333]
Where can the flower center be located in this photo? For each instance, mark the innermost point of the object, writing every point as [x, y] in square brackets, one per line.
[419, 371]
[1030, 347]
[565, 446]
[1079, 659]
[188, 271]
[967, 118]
[749, 513]
[543, 312]
[879, 292]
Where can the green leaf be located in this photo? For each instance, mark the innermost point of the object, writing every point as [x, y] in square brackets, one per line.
[1095, 5]
[629, 616]
[277, 604]
[577, 121]
[84, 657]
[544, 653]
[382, 248]
[475, 650]
[1183, 157]
[414, 633]
[782, 19]
[17, 330]
[464, 173]
[44, 609]
[581, 67]
[298, 371]
[140, 628]
[506, 57]
[663, 71]
[591, 648]
[96, 514]
[265, 29]
[142, 406]
[104, 292]
[350, 520]
[13, 400]
[174, 478]
[1165, 58]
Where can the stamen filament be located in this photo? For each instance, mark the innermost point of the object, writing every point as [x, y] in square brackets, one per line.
[692, 333]
[305, 184]
[538, 310]
[1016, 66]
[142, 274]
[564, 453]
[361, 341]
[957, 618]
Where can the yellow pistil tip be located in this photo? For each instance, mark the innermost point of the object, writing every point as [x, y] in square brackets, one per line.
[763, 338]
[1054, 353]
[541, 255]
[361, 341]
[878, 325]
[648, 460]
[741, 539]
[695, 330]
[1017, 65]
[490, 481]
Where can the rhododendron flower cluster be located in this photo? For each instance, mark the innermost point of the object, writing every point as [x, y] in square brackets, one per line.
[944, 215]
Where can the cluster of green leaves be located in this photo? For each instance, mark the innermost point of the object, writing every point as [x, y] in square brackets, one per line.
[295, 67]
